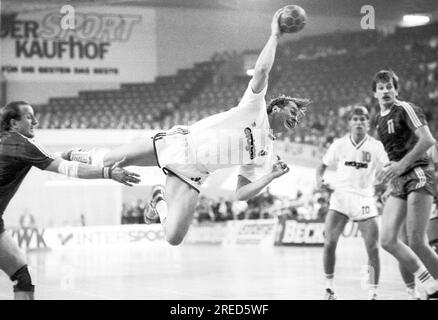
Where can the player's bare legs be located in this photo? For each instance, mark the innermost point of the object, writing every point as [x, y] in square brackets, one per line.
[394, 214]
[419, 210]
[334, 226]
[12, 260]
[408, 277]
[370, 233]
[177, 209]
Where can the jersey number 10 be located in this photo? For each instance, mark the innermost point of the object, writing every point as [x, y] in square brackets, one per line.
[366, 156]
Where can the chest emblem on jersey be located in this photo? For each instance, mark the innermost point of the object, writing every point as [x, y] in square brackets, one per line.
[250, 143]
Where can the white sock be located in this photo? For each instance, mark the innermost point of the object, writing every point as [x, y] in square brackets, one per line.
[413, 293]
[329, 279]
[161, 208]
[410, 286]
[372, 290]
[430, 284]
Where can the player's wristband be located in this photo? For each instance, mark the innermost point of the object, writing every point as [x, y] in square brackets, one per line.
[106, 172]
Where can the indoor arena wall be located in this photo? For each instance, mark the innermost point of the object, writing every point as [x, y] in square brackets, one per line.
[154, 42]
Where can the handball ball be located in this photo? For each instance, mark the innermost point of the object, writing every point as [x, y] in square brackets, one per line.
[292, 19]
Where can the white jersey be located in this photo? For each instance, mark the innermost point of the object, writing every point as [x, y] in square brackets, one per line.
[240, 136]
[357, 164]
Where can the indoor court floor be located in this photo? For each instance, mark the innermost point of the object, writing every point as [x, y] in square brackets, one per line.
[203, 272]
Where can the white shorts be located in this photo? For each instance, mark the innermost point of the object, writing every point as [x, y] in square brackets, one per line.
[174, 154]
[354, 206]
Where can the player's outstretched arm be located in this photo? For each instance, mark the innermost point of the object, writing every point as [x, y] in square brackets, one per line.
[266, 58]
[85, 171]
[246, 189]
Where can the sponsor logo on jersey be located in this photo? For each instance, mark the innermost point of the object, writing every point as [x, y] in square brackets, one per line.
[250, 143]
[357, 165]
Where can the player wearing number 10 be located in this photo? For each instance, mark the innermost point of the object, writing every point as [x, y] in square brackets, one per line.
[358, 158]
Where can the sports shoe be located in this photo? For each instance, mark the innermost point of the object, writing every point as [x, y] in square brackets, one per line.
[373, 296]
[413, 294]
[150, 215]
[330, 295]
[433, 296]
[79, 155]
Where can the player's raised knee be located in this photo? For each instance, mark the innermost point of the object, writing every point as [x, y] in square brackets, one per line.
[174, 240]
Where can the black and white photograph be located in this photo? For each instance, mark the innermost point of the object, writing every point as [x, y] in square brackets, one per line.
[218, 155]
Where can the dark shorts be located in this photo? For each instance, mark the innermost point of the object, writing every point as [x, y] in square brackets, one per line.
[419, 179]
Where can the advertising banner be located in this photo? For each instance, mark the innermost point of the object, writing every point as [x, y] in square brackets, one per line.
[78, 43]
[236, 232]
[207, 233]
[300, 232]
[86, 237]
[251, 232]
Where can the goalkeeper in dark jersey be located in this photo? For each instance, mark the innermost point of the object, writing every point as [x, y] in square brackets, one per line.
[18, 153]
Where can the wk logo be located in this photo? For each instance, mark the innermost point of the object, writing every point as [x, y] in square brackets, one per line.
[29, 238]
[65, 239]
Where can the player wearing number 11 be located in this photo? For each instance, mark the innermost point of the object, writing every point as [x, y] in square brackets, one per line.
[358, 158]
[404, 132]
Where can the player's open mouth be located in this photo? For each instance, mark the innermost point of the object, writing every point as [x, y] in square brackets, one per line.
[290, 123]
